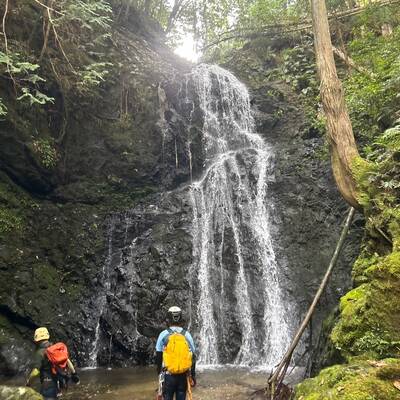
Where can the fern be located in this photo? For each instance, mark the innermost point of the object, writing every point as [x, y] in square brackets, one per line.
[391, 138]
[35, 97]
[23, 73]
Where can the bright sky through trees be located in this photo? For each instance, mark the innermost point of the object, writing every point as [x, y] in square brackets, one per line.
[187, 48]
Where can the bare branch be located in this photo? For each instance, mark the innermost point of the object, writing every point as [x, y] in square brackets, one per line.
[6, 45]
[350, 62]
[51, 22]
[288, 27]
[278, 375]
[46, 30]
[48, 7]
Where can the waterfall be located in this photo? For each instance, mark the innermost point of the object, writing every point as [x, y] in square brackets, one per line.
[115, 304]
[235, 269]
[102, 299]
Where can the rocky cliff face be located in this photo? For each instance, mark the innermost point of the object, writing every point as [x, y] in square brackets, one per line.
[53, 234]
[99, 246]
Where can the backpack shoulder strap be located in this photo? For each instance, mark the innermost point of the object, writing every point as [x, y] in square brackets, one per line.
[166, 337]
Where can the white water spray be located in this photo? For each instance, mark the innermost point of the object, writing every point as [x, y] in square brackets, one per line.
[231, 200]
[102, 301]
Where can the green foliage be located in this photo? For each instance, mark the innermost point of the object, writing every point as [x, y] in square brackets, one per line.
[298, 69]
[266, 13]
[376, 342]
[83, 28]
[24, 75]
[14, 204]
[390, 142]
[373, 100]
[370, 321]
[9, 221]
[84, 23]
[374, 16]
[89, 14]
[77, 38]
[379, 178]
[46, 151]
[93, 75]
[35, 96]
[358, 380]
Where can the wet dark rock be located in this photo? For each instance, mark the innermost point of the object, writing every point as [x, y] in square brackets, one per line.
[105, 237]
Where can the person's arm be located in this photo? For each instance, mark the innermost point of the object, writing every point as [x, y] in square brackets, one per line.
[32, 376]
[159, 351]
[193, 369]
[35, 372]
[159, 361]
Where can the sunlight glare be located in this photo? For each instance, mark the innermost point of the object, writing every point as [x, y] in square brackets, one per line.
[187, 49]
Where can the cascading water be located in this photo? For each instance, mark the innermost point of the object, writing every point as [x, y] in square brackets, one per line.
[102, 299]
[118, 262]
[238, 313]
[232, 244]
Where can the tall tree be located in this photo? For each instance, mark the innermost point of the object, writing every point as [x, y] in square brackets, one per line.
[343, 147]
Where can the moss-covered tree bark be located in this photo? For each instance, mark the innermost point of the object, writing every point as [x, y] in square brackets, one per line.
[342, 143]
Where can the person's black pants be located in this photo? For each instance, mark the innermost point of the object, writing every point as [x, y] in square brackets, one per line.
[49, 389]
[175, 384]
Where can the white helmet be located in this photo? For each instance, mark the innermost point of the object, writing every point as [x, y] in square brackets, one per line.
[174, 314]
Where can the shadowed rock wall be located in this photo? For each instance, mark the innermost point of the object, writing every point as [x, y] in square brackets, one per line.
[99, 246]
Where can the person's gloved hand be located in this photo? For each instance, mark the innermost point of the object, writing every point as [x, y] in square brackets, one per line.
[192, 380]
[75, 378]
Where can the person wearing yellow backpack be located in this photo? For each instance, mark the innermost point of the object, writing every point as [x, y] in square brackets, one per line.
[175, 357]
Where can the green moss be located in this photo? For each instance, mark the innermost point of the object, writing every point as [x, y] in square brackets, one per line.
[44, 149]
[9, 221]
[15, 206]
[370, 314]
[18, 393]
[369, 322]
[358, 380]
[362, 267]
[389, 372]
[362, 171]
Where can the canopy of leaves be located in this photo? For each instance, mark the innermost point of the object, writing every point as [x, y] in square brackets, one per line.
[73, 31]
[373, 99]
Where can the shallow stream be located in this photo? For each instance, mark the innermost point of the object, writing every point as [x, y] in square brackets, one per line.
[140, 383]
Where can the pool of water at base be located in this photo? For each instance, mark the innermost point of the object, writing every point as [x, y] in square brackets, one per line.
[140, 383]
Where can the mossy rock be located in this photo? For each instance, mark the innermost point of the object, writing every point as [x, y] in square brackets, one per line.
[18, 393]
[369, 323]
[370, 314]
[358, 380]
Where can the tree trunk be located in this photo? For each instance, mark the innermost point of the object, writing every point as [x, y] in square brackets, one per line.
[341, 139]
[173, 15]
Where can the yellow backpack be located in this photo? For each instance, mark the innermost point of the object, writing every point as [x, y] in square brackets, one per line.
[177, 357]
